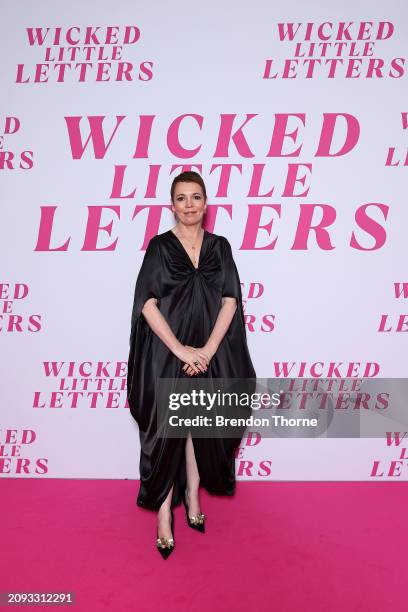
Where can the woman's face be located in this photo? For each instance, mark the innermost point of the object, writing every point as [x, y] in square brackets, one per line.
[189, 203]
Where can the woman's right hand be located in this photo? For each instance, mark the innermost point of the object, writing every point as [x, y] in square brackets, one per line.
[188, 355]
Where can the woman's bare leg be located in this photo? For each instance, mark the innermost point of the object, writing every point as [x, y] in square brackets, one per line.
[164, 517]
[193, 479]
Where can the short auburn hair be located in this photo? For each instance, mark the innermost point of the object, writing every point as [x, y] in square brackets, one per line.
[188, 177]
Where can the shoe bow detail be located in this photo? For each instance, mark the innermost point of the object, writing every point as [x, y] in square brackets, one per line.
[197, 520]
[165, 542]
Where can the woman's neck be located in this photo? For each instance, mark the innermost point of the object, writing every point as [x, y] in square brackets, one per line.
[191, 232]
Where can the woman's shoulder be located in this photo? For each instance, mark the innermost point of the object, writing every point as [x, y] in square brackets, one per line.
[218, 239]
[216, 236]
[221, 240]
[154, 241]
[163, 236]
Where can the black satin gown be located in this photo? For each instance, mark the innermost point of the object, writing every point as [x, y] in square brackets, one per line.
[190, 300]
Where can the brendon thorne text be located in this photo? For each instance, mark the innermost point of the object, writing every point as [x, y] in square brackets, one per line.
[221, 421]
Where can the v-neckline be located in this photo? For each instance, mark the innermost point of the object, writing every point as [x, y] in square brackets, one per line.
[185, 250]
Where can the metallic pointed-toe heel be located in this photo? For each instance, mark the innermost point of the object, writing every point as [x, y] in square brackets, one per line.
[165, 546]
[196, 522]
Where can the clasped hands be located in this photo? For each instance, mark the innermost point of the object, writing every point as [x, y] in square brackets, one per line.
[196, 359]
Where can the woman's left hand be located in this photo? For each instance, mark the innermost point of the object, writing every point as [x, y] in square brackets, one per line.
[204, 352]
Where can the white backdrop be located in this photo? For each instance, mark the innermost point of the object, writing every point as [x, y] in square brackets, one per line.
[65, 301]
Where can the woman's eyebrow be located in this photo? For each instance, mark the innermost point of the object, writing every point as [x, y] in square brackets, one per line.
[195, 193]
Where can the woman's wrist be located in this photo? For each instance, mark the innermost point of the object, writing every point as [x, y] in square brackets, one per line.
[176, 348]
[210, 348]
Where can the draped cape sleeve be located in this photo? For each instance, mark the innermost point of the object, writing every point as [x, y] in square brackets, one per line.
[231, 284]
[231, 287]
[148, 283]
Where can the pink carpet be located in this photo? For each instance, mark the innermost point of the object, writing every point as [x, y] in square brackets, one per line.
[274, 546]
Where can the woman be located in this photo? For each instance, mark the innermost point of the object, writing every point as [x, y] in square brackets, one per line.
[187, 321]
